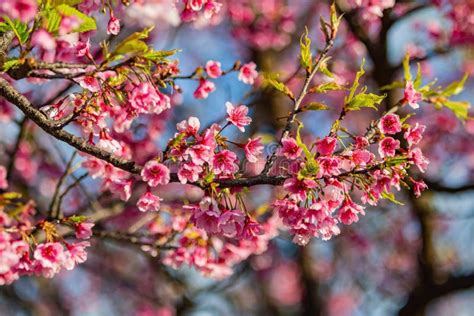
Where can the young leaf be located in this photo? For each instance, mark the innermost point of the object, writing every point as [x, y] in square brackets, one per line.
[315, 106]
[406, 68]
[10, 63]
[20, 29]
[391, 198]
[417, 82]
[328, 86]
[364, 100]
[280, 86]
[355, 85]
[459, 108]
[455, 88]
[88, 23]
[306, 58]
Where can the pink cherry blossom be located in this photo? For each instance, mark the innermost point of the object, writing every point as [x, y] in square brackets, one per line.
[149, 202]
[145, 98]
[299, 188]
[189, 172]
[3, 178]
[349, 212]
[225, 163]
[390, 124]
[49, 255]
[289, 148]
[238, 116]
[418, 186]
[248, 73]
[24, 10]
[204, 88]
[231, 223]
[89, 82]
[189, 127]
[155, 173]
[419, 159]
[113, 27]
[84, 230]
[83, 49]
[411, 96]
[122, 187]
[326, 146]
[76, 253]
[388, 146]
[414, 134]
[253, 148]
[213, 69]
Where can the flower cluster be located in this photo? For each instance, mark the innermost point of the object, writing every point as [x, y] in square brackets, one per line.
[22, 254]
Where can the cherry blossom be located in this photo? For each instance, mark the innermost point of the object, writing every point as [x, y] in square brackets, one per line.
[155, 173]
[248, 73]
[238, 116]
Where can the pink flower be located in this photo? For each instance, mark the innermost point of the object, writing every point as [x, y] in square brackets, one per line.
[289, 148]
[43, 40]
[251, 229]
[113, 27]
[189, 127]
[205, 87]
[326, 146]
[418, 186]
[213, 69]
[83, 49]
[388, 146]
[248, 73]
[121, 186]
[89, 82]
[189, 172]
[238, 116]
[196, 5]
[200, 154]
[414, 134]
[349, 212]
[411, 96]
[299, 188]
[84, 230]
[155, 173]
[76, 254]
[390, 124]
[149, 202]
[146, 99]
[418, 159]
[231, 223]
[225, 163]
[24, 10]
[3, 178]
[49, 255]
[361, 157]
[253, 148]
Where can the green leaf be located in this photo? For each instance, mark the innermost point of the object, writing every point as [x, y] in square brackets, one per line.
[159, 55]
[133, 44]
[280, 86]
[77, 218]
[11, 195]
[355, 85]
[20, 29]
[328, 86]
[459, 108]
[323, 68]
[306, 58]
[406, 67]
[315, 106]
[364, 100]
[88, 23]
[68, 2]
[417, 82]
[391, 198]
[393, 85]
[455, 88]
[53, 19]
[307, 153]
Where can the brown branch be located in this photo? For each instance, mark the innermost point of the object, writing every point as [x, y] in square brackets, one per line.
[438, 187]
